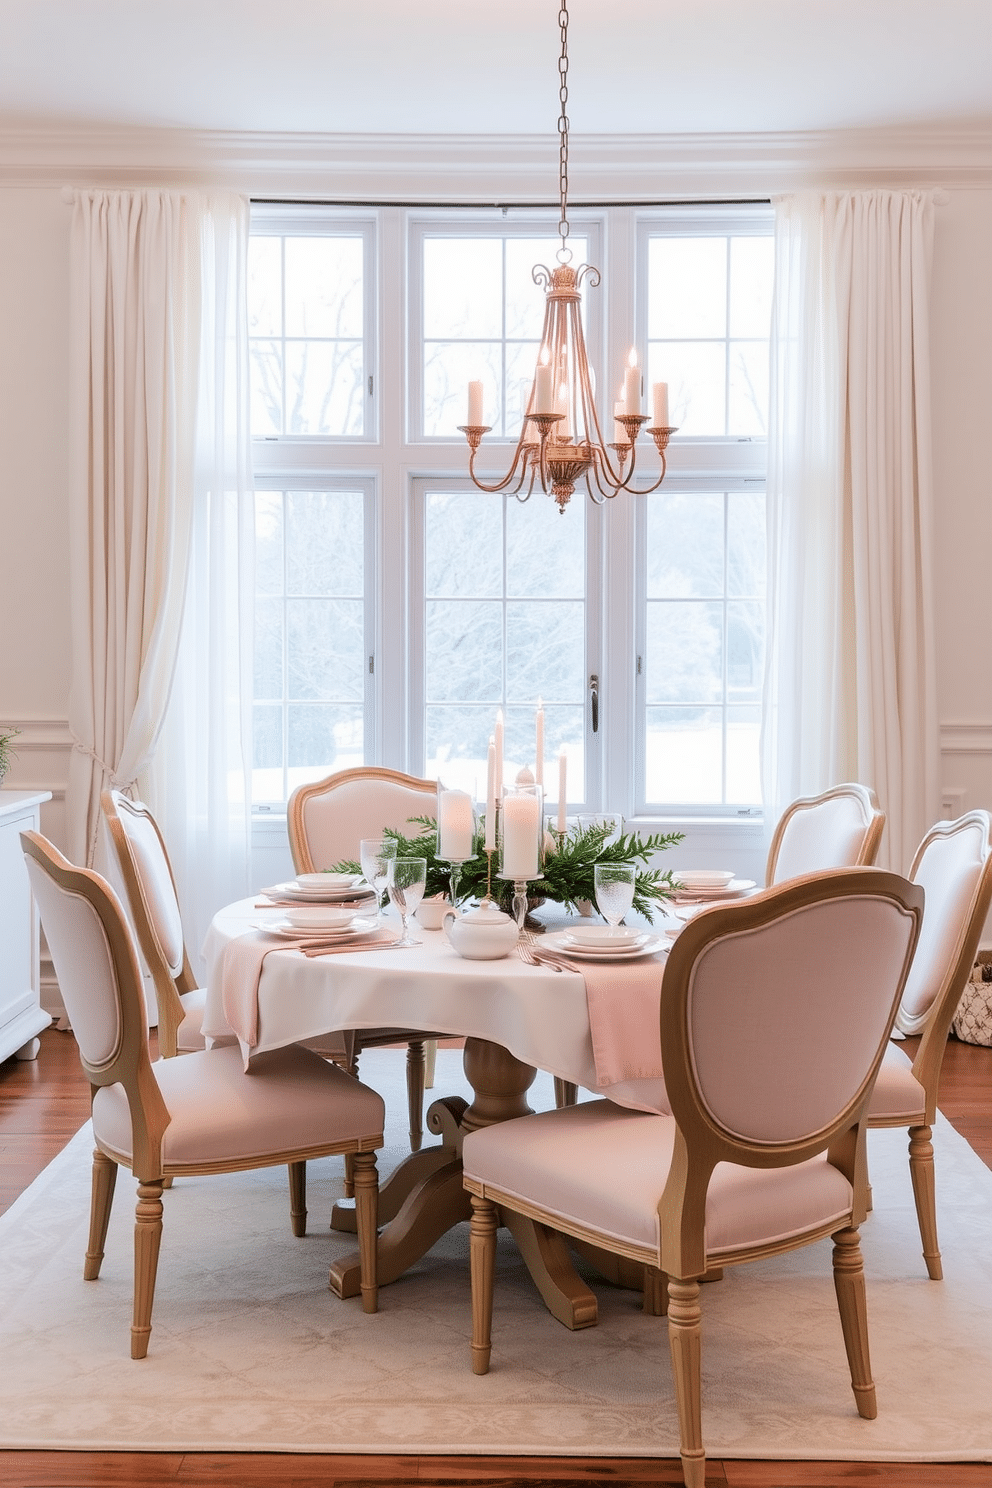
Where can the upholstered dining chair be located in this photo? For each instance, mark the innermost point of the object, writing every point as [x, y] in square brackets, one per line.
[200, 1114]
[953, 865]
[841, 828]
[764, 1150]
[327, 820]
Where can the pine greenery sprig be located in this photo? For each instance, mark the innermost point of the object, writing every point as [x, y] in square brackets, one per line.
[7, 752]
[569, 864]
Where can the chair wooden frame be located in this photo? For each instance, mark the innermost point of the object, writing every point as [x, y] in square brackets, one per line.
[934, 1029]
[874, 824]
[130, 1066]
[421, 1047]
[701, 1142]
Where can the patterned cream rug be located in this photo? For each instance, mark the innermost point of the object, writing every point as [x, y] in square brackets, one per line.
[249, 1349]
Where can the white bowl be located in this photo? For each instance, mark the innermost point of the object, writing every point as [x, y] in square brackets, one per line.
[319, 917]
[598, 935]
[313, 881]
[703, 878]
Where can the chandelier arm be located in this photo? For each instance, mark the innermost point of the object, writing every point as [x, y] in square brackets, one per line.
[508, 477]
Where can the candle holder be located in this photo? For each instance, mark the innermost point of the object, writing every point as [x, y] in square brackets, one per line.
[521, 842]
[456, 828]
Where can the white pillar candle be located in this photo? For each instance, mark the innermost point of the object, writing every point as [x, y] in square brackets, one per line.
[498, 739]
[475, 419]
[562, 793]
[539, 743]
[659, 400]
[544, 386]
[521, 821]
[632, 385]
[491, 798]
[454, 827]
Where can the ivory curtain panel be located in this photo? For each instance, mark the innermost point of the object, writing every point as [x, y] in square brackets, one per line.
[162, 460]
[850, 689]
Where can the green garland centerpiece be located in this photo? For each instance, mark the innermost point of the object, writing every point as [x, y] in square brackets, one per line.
[569, 863]
[7, 752]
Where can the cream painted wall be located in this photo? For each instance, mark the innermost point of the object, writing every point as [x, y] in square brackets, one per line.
[35, 557]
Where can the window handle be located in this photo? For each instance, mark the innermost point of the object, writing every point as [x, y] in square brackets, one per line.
[594, 700]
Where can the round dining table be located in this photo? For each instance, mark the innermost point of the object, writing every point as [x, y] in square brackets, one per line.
[515, 1016]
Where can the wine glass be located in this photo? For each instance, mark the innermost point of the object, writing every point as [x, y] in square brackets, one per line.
[405, 882]
[614, 890]
[375, 855]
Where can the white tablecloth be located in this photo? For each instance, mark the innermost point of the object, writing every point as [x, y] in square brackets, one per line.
[539, 1014]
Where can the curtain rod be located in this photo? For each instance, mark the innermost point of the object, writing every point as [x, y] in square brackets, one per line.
[501, 206]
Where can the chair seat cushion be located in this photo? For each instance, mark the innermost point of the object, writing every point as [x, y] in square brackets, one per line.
[898, 1095]
[605, 1167]
[290, 1100]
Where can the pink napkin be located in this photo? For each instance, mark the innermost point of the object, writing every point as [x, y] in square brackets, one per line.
[241, 971]
[625, 1019]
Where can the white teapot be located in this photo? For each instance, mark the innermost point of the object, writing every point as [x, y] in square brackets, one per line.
[483, 934]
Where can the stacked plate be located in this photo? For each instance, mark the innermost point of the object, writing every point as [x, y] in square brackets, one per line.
[709, 885]
[322, 888]
[602, 943]
[326, 925]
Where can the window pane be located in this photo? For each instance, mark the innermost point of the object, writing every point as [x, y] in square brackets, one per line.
[745, 650]
[458, 746]
[752, 265]
[684, 652]
[463, 288]
[684, 755]
[268, 543]
[324, 287]
[265, 286]
[266, 389]
[696, 373]
[747, 403]
[743, 754]
[545, 550]
[746, 543]
[325, 543]
[323, 738]
[268, 648]
[324, 391]
[464, 544]
[687, 287]
[464, 651]
[325, 649]
[545, 651]
[449, 367]
[684, 545]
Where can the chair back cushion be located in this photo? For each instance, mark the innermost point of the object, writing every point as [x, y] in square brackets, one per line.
[827, 833]
[949, 866]
[151, 866]
[360, 805]
[785, 1016]
[84, 966]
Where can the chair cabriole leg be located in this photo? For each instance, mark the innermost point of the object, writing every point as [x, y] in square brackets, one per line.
[849, 1284]
[922, 1175]
[103, 1183]
[147, 1242]
[685, 1342]
[298, 1198]
[366, 1176]
[482, 1255]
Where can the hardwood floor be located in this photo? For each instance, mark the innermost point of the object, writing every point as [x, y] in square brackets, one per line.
[43, 1102]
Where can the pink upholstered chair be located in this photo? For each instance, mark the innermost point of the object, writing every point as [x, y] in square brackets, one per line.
[327, 820]
[196, 1115]
[953, 865]
[841, 828]
[764, 1149]
[150, 889]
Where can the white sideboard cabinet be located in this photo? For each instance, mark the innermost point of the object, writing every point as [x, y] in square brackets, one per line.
[21, 1015]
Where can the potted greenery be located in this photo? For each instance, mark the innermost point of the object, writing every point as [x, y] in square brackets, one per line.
[6, 752]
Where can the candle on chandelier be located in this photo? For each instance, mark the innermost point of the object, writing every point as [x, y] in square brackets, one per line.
[544, 386]
[491, 797]
[475, 419]
[521, 824]
[619, 432]
[498, 738]
[539, 744]
[659, 401]
[562, 793]
[455, 826]
[632, 385]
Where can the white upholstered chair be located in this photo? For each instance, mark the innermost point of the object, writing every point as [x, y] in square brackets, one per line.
[197, 1115]
[841, 828]
[327, 820]
[764, 1149]
[953, 865]
[150, 890]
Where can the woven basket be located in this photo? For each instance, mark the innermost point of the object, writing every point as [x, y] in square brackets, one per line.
[973, 1020]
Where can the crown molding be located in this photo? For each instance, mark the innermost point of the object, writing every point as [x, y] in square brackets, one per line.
[484, 168]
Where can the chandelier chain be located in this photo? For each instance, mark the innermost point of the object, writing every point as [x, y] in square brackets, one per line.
[563, 225]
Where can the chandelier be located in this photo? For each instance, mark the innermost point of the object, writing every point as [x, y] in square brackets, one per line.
[561, 441]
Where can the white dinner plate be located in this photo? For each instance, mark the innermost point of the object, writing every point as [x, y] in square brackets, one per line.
[602, 937]
[736, 888]
[562, 946]
[321, 882]
[321, 895]
[696, 879]
[358, 930]
[319, 917]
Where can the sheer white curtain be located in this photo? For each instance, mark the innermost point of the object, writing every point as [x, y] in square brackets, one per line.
[850, 688]
[161, 680]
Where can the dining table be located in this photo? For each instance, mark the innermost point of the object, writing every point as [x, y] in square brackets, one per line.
[516, 1016]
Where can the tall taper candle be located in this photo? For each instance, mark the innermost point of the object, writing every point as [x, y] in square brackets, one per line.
[659, 398]
[491, 798]
[539, 745]
[499, 753]
[475, 418]
[632, 385]
[562, 794]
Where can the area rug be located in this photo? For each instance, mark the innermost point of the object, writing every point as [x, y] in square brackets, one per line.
[250, 1351]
